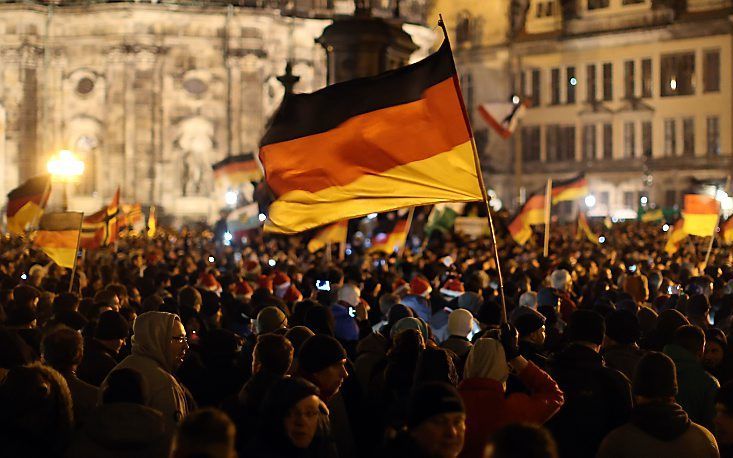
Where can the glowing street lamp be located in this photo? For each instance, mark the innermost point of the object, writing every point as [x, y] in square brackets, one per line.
[65, 167]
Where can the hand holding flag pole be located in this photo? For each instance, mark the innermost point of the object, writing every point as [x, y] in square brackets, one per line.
[480, 175]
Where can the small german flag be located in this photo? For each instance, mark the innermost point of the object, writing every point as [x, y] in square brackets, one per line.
[58, 236]
[572, 189]
[101, 228]
[26, 203]
[676, 235]
[701, 214]
[152, 223]
[652, 215]
[726, 231]
[236, 170]
[333, 233]
[532, 212]
[391, 141]
[584, 229]
[392, 241]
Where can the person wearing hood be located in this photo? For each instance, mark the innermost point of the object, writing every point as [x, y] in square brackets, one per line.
[697, 388]
[121, 425]
[159, 346]
[488, 408]
[659, 426]
[597, 397]
[294, 423]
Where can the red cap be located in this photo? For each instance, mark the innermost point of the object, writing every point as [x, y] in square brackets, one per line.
[280, 279]
[265, 281]
[243, 288]
[209, 282]
[453, 288]
[292, 295]
[420, 286]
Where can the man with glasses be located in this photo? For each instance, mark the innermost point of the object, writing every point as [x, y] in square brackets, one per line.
[159, 346]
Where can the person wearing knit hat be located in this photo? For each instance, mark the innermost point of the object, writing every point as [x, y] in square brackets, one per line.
[436, 424]
[101, 351]
[483, 390]
[322, 361]
[659, 426]
[410, 323]
[597, 397]
[420, 286]
[620, 345]
[460, 327]
[270, 319]
[452, 289]
[531, 328]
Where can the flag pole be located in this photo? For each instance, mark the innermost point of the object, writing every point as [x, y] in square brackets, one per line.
[76, 261]
[410, 214]
[328, 252]
[479, 173]
[717, 225]
[548, 210]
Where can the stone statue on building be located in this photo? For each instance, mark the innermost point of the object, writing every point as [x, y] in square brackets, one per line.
[196, 142]
[517, 16]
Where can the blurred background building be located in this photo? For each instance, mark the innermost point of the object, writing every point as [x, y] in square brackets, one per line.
[151, 94]
[635, 93]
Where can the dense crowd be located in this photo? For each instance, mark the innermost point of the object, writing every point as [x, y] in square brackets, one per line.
[180, 346]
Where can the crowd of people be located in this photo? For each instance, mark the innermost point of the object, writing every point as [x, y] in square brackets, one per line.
[180, 346]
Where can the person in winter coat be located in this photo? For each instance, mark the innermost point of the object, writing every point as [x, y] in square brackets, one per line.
[620, 349]
[101, 351]
[659, 426]
[159, 345]
[697, 388]
[62, 350]
[597, 398]
[294, 423]
[460, 326]
[436, 425]
[121, 426]
[206, 432]
[483, 393]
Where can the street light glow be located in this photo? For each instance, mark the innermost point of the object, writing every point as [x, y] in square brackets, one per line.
[231, 198]
[515, 100]
[590, 201]
[665, 228]
[65, 166]
[262, 217]
[573, 81]
[644, 200]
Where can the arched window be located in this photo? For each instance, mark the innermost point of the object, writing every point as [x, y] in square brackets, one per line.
[463, 27]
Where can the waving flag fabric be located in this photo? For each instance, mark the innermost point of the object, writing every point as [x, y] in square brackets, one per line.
[58, 236]
[26, 203]
[375, 144]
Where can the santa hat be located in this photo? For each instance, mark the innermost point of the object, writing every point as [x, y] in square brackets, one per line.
[292, 295]
[281, 283]
[400, 286]
[243, 289]
[452, 288]
[252, 267]
[208, 282]
[420, 286]
[265, 281]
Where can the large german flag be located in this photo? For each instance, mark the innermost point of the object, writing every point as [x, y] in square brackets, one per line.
[102, 228]
[701, 214]
[236, 170]
[376, 144]
[333, 233]
[572, 189]
[532, 212]
[58, 236]
[26, 203]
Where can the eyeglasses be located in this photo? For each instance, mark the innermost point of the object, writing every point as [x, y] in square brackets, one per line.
[180, 339]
